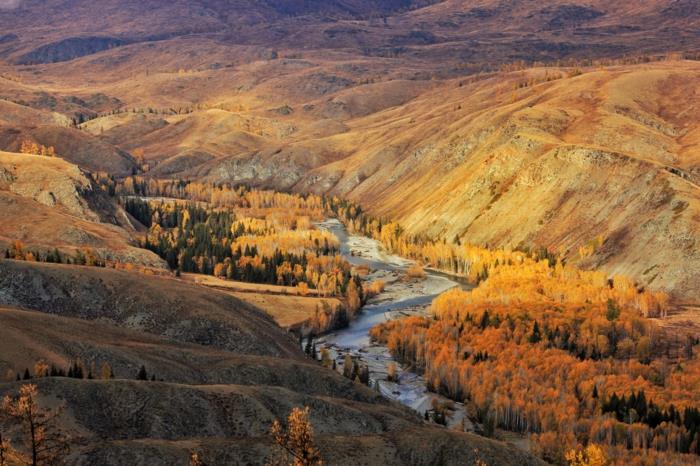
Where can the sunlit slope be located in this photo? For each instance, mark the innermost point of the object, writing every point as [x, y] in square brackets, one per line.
[48, 204]
[610, 152]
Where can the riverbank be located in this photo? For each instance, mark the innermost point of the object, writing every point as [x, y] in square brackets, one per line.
[403, 296]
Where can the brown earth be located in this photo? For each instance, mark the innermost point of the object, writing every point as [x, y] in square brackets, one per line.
[282, 303]
[227, 372]
[49, 204]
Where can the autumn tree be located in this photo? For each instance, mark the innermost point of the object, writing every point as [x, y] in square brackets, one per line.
[326, 360]
[348, 365]
[303, 289]
[41, 368]
[392, 373]
[354, 300]
[296, 441]
[592, 455]
[416, 271]
[106, 371]
[44, 441]
[195, 459]
[29, 147]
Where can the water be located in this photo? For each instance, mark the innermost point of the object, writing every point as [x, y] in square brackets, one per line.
[401, 298]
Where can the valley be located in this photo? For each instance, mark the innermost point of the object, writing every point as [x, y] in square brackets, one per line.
[407, 232]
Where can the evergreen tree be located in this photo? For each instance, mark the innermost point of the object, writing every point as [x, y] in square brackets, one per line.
[142, 374]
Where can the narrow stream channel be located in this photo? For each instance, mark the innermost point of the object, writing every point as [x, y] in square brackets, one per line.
[402, 297]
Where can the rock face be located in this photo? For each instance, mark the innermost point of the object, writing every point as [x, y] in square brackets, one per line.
[224, 373]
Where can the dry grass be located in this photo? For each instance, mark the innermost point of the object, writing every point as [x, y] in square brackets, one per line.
[415, 271]
[282, 303]
[288, 311]
[242, 287]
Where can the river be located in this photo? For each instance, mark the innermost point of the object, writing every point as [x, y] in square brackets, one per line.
[402, 297]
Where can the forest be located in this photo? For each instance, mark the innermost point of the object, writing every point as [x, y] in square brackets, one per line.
[267, 238]
[569, 374]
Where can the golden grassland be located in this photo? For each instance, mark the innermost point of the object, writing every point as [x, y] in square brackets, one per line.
[283, 303]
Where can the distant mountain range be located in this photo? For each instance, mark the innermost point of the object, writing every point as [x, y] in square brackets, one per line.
[450, 30]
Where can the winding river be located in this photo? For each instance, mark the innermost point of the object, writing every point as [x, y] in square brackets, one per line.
[402, 297]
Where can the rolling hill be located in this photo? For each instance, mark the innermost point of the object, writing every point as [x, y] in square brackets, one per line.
[49, 204]
[224, 372]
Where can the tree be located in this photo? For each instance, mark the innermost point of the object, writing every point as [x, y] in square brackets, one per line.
[326, 358]
[348, 366]
[143, 374]
[644, 348]
[535, 336]
[354, 299]
[392, 375]
[592, 455]
[303, 289]
[296, 441]
[613, 310]
[41, 369]
[45, 442]
[220, 270]
[4, 450]
[689, 347]
[195, 460]
[106, 371]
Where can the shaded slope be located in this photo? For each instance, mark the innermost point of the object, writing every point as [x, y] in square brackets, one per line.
[219, 395]
[159, 306]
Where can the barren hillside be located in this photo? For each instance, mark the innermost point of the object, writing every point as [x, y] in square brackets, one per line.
[50, 204]
[225, 372]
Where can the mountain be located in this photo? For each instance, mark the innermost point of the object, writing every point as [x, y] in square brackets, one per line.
[401, 107]
[435, 31]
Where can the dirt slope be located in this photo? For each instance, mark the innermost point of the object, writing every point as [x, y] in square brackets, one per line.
[48, 203]
[160, 306]
[220, 391]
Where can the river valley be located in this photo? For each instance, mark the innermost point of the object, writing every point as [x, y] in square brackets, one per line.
[402, 297]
